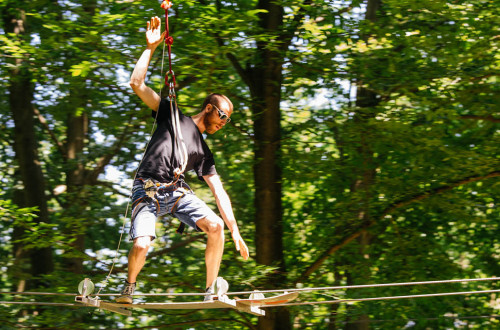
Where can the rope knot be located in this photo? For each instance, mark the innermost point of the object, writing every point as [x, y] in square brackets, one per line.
[169, 40]
[166, 4]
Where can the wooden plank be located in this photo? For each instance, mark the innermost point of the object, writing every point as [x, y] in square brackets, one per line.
[175, 305]
[95, 302]
[279, 299]
[125, 309]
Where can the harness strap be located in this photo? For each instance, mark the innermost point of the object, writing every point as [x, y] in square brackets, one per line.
[151, 188]
[182, 226]
[179, 139]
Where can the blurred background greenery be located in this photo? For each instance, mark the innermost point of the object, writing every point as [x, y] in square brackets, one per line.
[364, 148]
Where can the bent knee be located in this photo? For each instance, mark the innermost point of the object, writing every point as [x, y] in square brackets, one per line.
[142, 243]
[213, 226]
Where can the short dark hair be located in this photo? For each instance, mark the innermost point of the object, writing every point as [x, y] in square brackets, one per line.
[216, 99]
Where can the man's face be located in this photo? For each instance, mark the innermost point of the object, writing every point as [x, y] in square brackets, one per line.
[213, 121]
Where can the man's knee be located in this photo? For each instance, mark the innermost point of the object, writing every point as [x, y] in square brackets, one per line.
[212, 225]
[142, 243]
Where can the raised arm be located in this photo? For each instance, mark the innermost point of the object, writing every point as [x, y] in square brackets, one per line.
[226, 210]
[137, 81]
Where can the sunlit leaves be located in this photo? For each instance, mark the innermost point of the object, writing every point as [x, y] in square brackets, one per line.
[433, 66]
[82, 69]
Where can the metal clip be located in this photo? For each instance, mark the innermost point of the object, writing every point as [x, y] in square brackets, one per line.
[150, 188]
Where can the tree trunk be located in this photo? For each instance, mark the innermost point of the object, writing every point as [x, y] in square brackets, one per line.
[366, 101]
[25, 142]
[265, 89]
[76, 137]
[77, 129]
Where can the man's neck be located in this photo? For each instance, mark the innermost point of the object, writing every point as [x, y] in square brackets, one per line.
[198, 121]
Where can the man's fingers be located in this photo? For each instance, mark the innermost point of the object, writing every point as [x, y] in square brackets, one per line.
[243, 250]
[241, 246]
[147, 27]
[244, 254]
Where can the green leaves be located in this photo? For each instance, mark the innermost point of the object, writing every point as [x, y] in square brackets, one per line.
[82, 69]
[394, 172]
[11, 212]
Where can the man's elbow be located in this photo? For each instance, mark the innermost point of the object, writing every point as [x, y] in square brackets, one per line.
[136, 85]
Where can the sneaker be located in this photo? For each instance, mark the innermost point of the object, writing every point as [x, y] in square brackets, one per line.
[210, 296]
[126, 294]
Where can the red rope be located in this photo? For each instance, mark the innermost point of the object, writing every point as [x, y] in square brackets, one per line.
[169, 40]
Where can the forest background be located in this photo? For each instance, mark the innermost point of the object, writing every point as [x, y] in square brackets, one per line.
[363, 149]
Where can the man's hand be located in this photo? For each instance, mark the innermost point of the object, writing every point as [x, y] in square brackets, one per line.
[240, 244]
[153, 32]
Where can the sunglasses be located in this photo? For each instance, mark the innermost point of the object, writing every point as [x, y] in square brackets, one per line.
[222, 114]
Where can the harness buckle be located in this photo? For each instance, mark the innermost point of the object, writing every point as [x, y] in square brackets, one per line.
[150, 188]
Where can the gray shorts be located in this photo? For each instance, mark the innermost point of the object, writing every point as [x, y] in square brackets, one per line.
[186, 206]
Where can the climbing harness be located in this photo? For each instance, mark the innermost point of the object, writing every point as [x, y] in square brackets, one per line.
[152, 188]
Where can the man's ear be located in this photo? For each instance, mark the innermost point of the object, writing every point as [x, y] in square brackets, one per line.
[209, 108]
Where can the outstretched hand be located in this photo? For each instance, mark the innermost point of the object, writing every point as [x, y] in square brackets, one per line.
[153, 32]
[240, 244]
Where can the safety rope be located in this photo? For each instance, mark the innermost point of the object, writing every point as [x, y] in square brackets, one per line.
[179, 139]
[329, 288]
[169, 40]
[370, 285]
[37, 303]
[338, 301]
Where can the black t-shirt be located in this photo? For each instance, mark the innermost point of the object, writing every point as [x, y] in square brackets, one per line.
[161, 157]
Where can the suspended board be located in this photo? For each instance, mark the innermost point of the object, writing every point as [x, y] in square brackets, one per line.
[221, 300]
[269, 301]
[125, 309]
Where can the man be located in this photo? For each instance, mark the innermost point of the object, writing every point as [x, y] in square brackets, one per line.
[159, 189]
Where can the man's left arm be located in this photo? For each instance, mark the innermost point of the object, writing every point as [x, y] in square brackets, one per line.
[226, 210]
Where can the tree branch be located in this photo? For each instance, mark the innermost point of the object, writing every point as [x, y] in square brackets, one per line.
[43, 121]
[431, 192]
[334, 248]
[487, 118]
[244, 73]
[113, 150]
[389, 209]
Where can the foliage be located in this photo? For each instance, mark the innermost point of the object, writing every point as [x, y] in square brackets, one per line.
[431, 142]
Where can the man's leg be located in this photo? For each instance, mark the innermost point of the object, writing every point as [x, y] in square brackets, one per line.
[213, 226]
[137, 257]
[136, 260]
